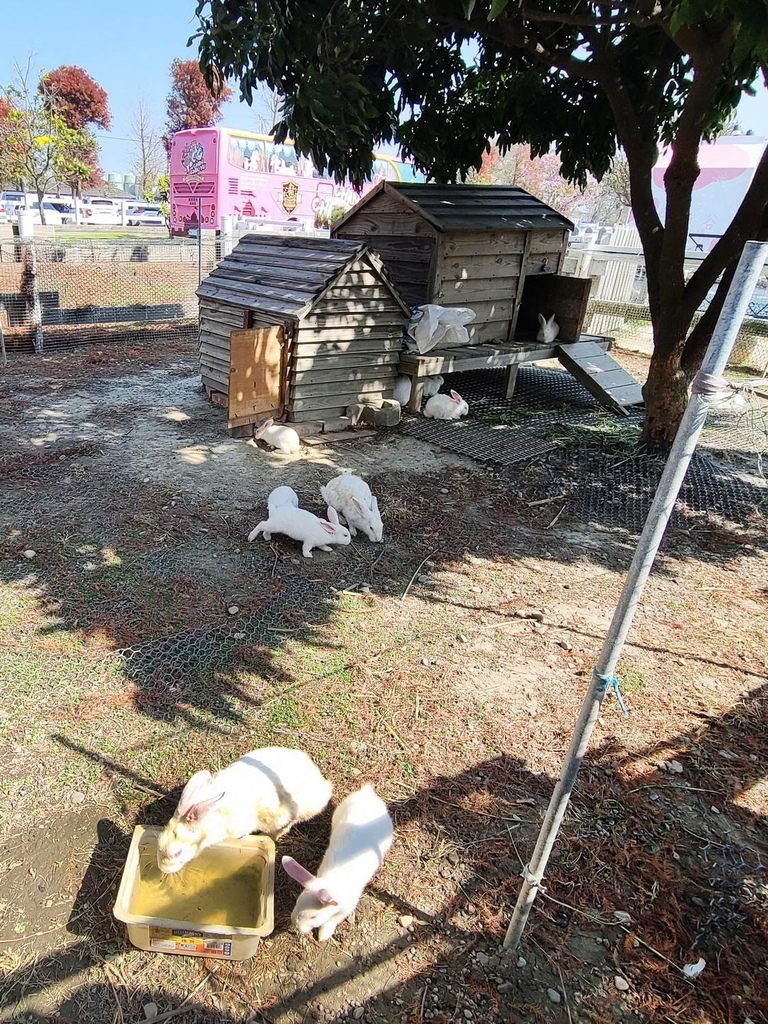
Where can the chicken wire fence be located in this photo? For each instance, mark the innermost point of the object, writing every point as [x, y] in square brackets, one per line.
[55, 294]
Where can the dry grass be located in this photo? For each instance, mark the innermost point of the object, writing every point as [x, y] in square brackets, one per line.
[458, 711]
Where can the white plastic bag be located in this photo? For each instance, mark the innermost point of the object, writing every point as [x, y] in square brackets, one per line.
[433, 326]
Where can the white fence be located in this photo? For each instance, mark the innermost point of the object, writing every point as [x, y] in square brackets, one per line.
[618, 303]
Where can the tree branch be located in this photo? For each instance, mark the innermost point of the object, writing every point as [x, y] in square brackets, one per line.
[697, 341]
[683, 170]
[573, 18]
[751, 212]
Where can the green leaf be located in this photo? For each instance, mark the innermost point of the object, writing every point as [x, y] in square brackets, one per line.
[469, 6]
[497, 8]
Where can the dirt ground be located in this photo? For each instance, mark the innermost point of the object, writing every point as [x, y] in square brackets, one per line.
[446, 666]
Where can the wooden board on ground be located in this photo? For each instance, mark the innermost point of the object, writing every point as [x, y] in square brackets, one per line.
[256, 361]
[601, 375]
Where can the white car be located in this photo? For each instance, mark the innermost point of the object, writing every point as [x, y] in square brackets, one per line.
[56, 214]
[145, 215]
[101, 211]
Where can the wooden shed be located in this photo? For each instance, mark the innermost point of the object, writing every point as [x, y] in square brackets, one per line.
[476, 246]
[298, 327]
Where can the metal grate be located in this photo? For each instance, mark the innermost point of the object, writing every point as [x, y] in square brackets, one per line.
[608, 489]
[502, 444]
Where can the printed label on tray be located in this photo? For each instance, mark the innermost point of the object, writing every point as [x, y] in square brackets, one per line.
[182, 941]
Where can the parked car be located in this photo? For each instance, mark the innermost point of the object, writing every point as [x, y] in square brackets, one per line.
[101, 211]
[9, 199]
[66, 210]
[145, 215]
[56, 214]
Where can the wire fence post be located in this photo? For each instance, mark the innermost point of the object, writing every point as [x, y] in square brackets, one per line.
[707, 381]
[30, 286]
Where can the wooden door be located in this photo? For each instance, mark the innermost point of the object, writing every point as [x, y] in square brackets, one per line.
[566, 297]
[256, 375]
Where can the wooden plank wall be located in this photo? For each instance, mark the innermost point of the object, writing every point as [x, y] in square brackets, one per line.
[547, 247]
[481, 270]
[403, 239]
[346, 348]
[217, 321]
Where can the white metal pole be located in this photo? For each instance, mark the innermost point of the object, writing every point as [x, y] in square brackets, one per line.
[706, 381]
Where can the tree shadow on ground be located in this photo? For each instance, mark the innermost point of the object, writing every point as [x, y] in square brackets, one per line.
[636, 839]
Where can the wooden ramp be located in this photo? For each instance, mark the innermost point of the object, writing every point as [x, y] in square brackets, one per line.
[601, 375]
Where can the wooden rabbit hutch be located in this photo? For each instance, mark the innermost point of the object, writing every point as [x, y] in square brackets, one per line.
[299, 328]
[495, 249]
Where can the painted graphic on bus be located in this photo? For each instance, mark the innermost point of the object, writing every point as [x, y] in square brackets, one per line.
[220, 171]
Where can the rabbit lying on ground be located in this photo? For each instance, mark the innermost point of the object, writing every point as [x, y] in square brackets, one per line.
[361, 835]
[351, 496]
[266, 790]
[301, 525]
[277, 435]
[446, 407]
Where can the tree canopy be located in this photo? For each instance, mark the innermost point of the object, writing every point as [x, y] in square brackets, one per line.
[582, 78]
[427, 73]
[76, 97]
[191, 103]
[38, 149]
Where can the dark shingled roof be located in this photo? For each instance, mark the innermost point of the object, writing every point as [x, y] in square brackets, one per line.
[282, 275]
[480, 207]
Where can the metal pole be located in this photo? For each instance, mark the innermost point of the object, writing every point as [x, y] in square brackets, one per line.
[715, 360]
[199, 240]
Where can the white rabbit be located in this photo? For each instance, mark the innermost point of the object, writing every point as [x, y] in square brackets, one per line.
[282, 496]
[301, 525]
[402, 392]
[548, 329]
[446, 407]
[351, 497]
[266, 790]
[277, 435]
[433, 384]
[430, 386]
[361, 835]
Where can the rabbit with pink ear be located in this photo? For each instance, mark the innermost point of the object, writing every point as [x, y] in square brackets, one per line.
[265, 790]
[446, 407]
[277, 435]
[361, 835]
[351, 496]
[299, 524]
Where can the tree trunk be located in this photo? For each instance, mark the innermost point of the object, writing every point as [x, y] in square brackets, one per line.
[40, 204]
[665, 393]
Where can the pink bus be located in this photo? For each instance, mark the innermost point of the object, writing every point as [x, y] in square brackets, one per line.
[222, 171]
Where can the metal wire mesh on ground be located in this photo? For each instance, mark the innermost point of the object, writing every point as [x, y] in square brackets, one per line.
[617, 492]
[551, 395]
[302, 596]
[614, 491]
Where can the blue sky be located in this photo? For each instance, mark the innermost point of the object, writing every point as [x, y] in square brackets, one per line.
[128, 49]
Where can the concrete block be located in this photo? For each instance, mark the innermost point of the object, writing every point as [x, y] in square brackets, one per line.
[382, 416]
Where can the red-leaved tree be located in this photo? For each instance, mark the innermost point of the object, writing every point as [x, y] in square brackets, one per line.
[191, 103]
[78, 100]
[81, 103]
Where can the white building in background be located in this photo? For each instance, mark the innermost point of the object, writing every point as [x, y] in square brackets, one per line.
[727, 168]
